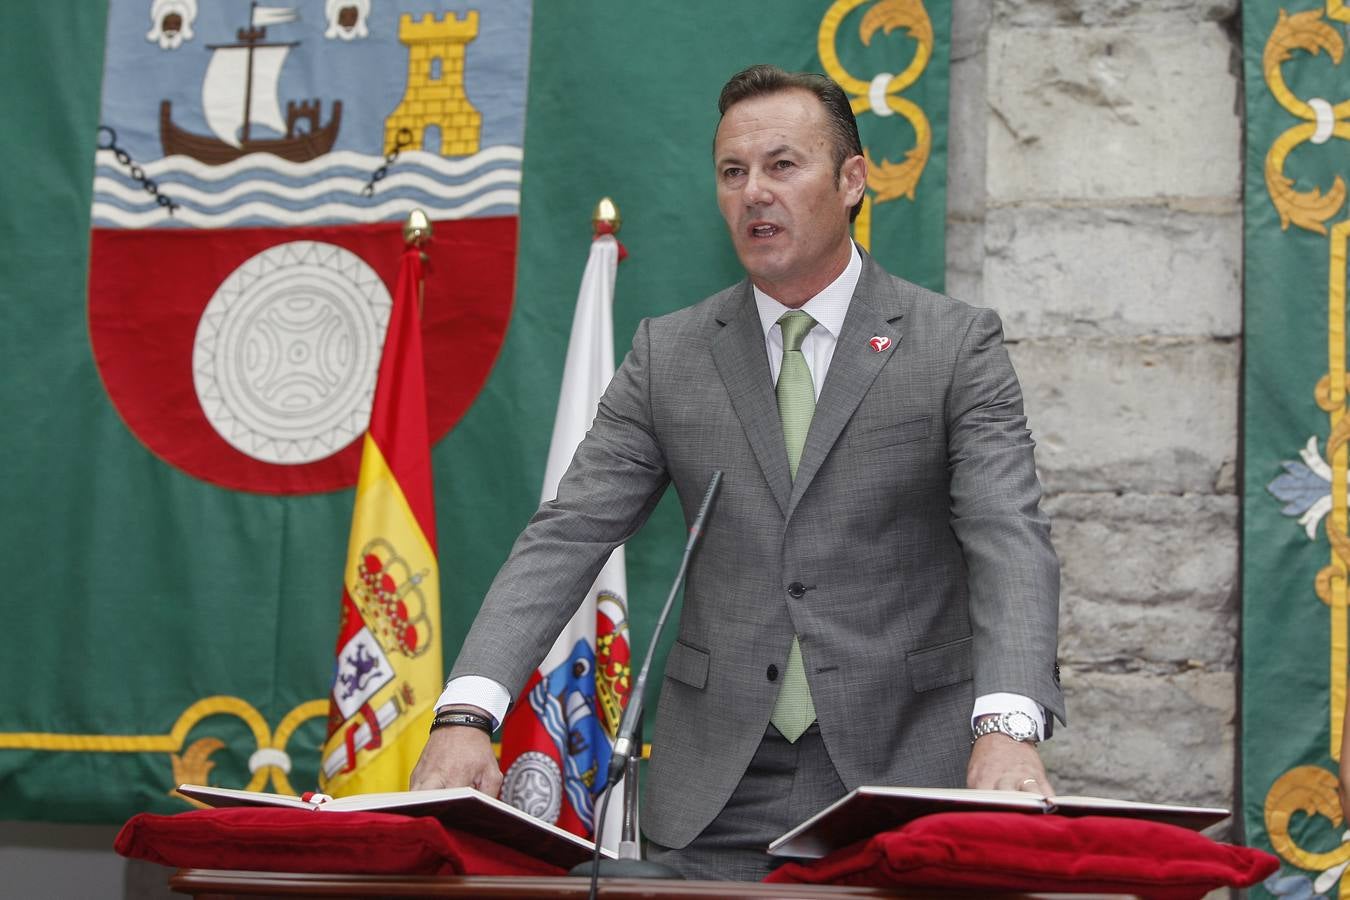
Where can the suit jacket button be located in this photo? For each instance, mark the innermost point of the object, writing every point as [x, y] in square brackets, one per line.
[796, 590]
[772, 673]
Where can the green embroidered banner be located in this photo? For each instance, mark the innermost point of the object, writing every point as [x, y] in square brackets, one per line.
[1296, 547]
[162, 627]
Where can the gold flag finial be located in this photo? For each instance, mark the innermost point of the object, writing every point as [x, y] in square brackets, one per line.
[417, 228]
[606, 213]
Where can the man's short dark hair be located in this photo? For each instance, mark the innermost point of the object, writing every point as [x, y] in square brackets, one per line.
[762, 80]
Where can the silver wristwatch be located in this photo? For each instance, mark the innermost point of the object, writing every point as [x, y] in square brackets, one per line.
[1017, 725]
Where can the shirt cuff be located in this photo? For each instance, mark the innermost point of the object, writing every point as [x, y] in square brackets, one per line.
[475, 690]
[985, 704]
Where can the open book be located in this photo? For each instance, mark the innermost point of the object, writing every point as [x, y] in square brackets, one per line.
[462, 808]
[866, 811]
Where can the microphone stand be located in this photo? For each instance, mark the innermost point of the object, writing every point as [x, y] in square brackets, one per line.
[629, 847]
[630, 863]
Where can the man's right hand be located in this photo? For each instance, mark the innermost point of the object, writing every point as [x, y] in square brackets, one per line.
[458, 756]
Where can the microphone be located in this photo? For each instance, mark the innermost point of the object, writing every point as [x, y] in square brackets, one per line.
[632, 714]
[630, 864]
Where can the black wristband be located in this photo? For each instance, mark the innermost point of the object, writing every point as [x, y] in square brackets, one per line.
[467, 719]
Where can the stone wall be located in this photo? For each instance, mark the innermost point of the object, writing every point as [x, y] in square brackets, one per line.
[1095, 202]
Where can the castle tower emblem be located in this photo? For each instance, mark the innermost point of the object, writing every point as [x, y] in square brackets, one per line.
[435, 94]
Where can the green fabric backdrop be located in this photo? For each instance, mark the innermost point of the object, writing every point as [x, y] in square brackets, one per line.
[136, 590]
[1294, 629]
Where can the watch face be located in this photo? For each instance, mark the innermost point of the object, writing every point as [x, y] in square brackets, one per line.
[1018, 725]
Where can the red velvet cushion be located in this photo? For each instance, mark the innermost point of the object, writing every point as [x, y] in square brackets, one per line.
[1015, 851]
[301, 840]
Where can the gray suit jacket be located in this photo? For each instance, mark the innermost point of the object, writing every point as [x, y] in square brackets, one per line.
[913, 523]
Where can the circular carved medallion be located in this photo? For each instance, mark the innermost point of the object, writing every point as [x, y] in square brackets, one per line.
[287, 350]
[534, 784]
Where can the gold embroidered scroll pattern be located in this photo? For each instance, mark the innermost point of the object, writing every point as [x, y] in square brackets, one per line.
[1321, 120]
[193, 762]
[1310, 790]
[880, 95]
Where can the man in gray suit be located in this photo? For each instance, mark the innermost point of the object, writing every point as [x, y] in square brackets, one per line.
[875, 598]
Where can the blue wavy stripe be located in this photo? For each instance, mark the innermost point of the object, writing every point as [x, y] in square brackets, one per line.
[580, 798]
[364, 174]
[277, 188]
[550, 713]
[137, 199]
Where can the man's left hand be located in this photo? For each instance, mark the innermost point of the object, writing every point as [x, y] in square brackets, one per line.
[997, 762]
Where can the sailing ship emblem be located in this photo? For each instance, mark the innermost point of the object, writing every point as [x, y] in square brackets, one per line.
[240, 91]
[241, 246]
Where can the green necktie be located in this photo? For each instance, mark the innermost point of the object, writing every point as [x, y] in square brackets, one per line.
[794, 712]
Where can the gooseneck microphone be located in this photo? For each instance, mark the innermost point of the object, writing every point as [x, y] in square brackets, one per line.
[630, 864]
[632, 714]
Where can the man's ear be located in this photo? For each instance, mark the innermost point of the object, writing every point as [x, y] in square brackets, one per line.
[853, 178]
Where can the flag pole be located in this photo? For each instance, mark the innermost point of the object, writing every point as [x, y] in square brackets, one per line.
[416, 233]
[606, 218]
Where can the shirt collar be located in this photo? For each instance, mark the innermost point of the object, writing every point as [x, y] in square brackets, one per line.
[828, 308]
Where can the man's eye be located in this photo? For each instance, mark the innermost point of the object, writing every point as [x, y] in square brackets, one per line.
[732, 172]
[783, 164]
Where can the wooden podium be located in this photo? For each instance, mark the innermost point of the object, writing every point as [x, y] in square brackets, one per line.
[219, 884]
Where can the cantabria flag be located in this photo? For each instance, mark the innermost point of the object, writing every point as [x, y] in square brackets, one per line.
[199, 249]
[557, 739]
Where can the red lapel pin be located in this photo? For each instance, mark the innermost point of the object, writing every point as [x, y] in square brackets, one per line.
[879, 342]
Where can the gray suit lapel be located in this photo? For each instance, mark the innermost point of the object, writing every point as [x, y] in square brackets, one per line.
[876, 311]
[738, 352]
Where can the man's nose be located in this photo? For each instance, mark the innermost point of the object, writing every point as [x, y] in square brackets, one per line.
[757, 192]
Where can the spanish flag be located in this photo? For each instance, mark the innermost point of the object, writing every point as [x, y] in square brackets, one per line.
[388, 668]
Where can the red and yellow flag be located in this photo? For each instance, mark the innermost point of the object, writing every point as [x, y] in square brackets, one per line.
[388, 669]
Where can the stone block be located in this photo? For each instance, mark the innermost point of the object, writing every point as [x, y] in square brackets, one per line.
[965, 260]
[1146, 415]
[1128, 271]
[1147, 640]
[1112, 114]
[970, 26]
[1149, 580]
[1166, 739]
[1114, 13]
[967, 113]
